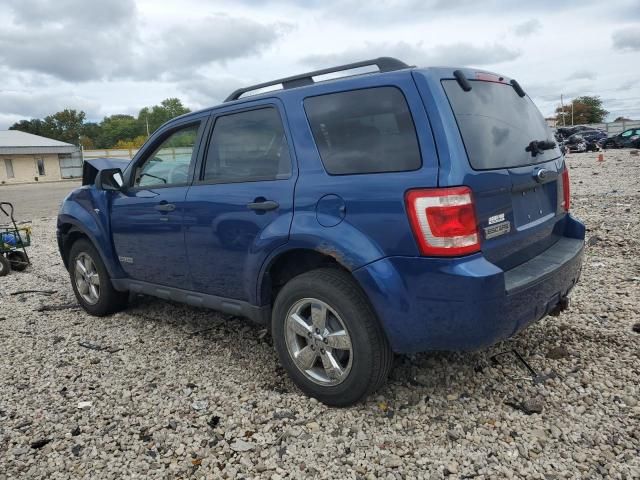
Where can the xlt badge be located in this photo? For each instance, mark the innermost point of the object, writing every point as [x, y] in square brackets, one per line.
[496, 230]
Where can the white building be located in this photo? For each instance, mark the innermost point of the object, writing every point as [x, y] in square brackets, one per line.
[30, 158]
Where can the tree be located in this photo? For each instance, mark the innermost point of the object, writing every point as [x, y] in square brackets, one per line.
[586, 109]
[622, 119]
[136, 142]
[122, 130]
[115, 128]
[34, 126]
[90, 133]
[65, 126]
[159, 114]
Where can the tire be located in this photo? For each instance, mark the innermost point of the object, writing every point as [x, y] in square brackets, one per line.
[19, 261]
[5, 266]
[108, 300]
[364, 367]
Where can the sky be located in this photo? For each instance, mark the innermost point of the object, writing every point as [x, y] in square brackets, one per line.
[117, 56]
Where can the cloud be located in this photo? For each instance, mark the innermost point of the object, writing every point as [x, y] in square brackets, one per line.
[627, 39]
[457, 54]
[182, 48]
[79, 41]
[582, 75]
[527, 28]
[71, 40]
[39, 105]
[202, 91]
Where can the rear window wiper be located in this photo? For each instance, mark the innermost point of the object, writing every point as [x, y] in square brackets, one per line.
[539, 146]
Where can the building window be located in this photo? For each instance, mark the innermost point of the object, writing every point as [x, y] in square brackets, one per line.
[8, 165]
[40, 165]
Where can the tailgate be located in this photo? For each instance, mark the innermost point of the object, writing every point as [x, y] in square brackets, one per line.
[517, 184]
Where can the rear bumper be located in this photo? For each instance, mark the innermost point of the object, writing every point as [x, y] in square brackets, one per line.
[468, 303]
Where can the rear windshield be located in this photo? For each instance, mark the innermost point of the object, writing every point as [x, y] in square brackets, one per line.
[364, 131]
[497, 125]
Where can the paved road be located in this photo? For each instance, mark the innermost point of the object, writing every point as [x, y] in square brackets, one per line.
[35, 200]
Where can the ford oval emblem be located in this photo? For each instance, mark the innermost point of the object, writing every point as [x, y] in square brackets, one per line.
[541, 175]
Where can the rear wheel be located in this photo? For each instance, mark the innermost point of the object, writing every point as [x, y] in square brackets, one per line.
[5, 266]
[91, 283]
[19, 261]
[328, 337]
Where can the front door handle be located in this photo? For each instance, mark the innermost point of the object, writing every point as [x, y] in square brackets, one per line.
[166, 207]
[263, 206]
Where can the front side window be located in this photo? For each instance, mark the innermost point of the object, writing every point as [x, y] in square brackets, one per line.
[628, 133]
[169, 163]
[364, 131]
[248, 146]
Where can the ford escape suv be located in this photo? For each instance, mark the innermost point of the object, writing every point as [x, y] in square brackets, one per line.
[396, 210]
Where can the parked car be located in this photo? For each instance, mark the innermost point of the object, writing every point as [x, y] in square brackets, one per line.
[566, 132]
[391, 212]
[628, 138]
[575, 143]
[585, 141]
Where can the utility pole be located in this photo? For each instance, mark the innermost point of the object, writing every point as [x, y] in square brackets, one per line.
[572, 113]
[146, 118]
[564, 123]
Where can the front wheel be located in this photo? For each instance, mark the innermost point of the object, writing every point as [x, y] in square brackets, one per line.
[328, 337]
[91, 283]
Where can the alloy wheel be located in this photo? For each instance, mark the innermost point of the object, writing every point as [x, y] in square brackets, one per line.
[318, 342]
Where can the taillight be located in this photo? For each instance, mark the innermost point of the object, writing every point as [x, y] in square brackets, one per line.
[443, 221]
[566, 190]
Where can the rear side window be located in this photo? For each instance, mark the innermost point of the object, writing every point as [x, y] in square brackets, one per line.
[497, 125]
[247, 147]
[364, 131]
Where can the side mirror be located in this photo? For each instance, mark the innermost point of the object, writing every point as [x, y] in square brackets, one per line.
[109, 179]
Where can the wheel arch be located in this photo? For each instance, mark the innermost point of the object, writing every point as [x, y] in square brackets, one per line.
[70, 231]
[289, 263]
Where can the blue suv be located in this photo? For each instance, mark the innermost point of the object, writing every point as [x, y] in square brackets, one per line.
[392, 211]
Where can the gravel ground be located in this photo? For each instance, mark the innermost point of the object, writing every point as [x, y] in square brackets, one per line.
[168, 391]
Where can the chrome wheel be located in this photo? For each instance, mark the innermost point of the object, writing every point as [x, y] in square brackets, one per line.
[87, 279]
[318, 342]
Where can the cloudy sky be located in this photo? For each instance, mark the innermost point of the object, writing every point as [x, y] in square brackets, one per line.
[116, 56]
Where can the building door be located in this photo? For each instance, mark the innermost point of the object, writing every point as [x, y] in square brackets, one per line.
[70, 165]
[8, 165]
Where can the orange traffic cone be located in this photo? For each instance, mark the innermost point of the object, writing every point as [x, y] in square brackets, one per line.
[601, 157]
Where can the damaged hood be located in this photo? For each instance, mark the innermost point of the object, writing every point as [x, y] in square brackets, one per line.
[91, 167]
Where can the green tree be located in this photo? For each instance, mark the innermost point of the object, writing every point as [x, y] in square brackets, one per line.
[158, 114]
[116, 128]
[586, 109]
[90, 134]
[65, 126]
[34, 126]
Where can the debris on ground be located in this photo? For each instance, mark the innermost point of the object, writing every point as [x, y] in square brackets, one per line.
[128, 416]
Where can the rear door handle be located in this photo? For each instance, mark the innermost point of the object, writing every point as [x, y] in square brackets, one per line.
[166, 207]
[263, 206]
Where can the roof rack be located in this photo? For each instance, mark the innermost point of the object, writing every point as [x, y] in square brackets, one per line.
[384, 64]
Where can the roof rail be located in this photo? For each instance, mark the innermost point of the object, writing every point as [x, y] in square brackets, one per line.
[384, 64]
